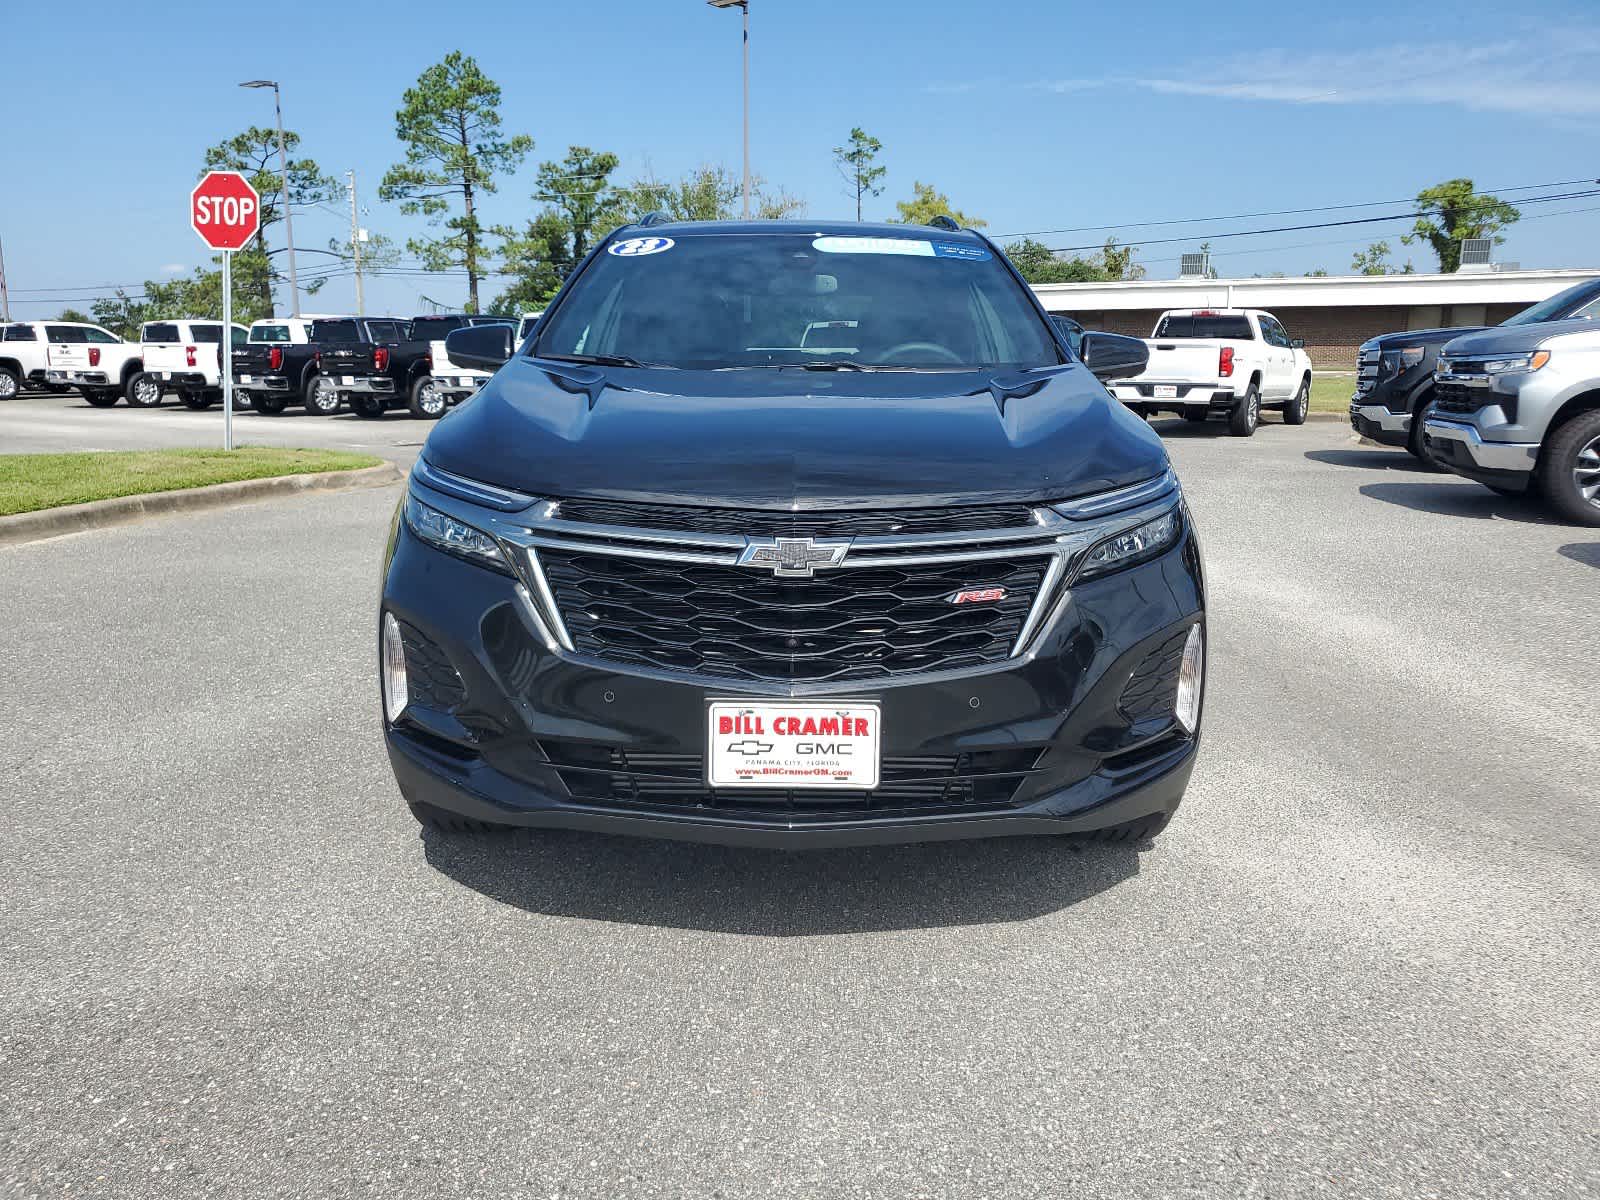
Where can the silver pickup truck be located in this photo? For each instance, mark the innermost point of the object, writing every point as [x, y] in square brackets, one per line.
[1518, 408]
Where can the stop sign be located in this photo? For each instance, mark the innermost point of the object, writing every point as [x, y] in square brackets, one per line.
[225, 210]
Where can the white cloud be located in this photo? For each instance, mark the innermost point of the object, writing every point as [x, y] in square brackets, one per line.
[1549, 75]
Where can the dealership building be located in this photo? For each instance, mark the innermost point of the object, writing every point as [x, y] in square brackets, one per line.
[1334, 314]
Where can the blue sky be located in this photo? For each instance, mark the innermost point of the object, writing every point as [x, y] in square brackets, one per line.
[1037, 115]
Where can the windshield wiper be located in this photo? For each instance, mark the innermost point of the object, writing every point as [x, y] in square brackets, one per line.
[598, 360]
[836, 364]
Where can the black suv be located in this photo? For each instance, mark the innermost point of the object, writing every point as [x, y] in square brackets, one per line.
[794, 534]
[1394, 372]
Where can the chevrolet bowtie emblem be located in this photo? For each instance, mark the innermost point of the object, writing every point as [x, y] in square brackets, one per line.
[750, 746]
[793, 556]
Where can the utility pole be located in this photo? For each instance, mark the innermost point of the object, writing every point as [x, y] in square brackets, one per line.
[355, 246]
[5, 296]
[283, 170]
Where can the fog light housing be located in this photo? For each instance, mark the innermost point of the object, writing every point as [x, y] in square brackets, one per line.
[1191, 678]
[393, 672]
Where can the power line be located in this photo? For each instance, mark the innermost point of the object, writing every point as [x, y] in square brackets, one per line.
[1282, 212]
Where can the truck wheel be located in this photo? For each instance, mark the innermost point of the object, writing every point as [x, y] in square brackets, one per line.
[241, 401]
[143, 390]
[198, 401]
[1246, 414]
[1569, 469]
[102, 397]
[322, 397]
[9, 387]
[1294, 412]
[428, 400]
[370, 407]
[267, 404]
[1415, 445]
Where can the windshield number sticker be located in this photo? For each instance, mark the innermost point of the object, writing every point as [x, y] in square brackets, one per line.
[891, 245]
[639, 247]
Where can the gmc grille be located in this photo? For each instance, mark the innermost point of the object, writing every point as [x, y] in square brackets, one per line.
[845, 624]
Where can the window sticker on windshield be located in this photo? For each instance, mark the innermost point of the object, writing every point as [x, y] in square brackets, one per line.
[956, 250]
[638, 247]
[872, 245]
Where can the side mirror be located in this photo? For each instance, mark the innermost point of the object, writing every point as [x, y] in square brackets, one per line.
[480, 347]
[1113, 356]
[1297, 343]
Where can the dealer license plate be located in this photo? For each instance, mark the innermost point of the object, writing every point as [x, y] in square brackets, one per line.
[347, 380]
[1166, 391]
[810, 744]
[244, 379]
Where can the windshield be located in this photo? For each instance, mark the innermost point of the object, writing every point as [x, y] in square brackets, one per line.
[337, 332]
[1562, 304]
[1205, 325]
[707, 301]
[269, 333]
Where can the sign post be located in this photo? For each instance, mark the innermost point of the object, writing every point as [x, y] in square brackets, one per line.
[226, 212]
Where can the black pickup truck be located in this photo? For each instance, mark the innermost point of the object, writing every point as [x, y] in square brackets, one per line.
[375, 375]
[345, 349]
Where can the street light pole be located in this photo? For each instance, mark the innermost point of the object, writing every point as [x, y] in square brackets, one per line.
[283, 172]
[745, 5]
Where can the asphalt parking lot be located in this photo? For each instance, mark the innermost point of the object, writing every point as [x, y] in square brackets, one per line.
[1361, 962]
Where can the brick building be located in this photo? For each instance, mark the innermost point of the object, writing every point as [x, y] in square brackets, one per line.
[1334, 314]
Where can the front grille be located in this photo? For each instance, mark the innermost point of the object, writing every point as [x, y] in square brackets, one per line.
[431, 680]
[611, 775]
[844, 624]
[756, 523]
[1153, 689]
[1368, 365]
[1460, 398]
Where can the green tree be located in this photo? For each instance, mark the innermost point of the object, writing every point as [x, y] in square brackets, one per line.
[254, 154]
[705, 194]
[450, 127]
[1317, 273]
[1374, 260]
[197, 295]
[581, 205]
[1117, 261]
[1037, 264]
[926, 204]
[856, 161]
[1454, 211]
[73, 314]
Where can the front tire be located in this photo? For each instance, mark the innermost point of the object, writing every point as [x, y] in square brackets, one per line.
[1294, 412]
[428, 400]
[322, 397]
[143, 390]
[1569, 470]
[1246, 415]
[102, 397]
[10, 385]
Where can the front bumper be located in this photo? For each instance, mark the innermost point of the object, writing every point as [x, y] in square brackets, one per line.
[518, 714]
[1380, 424]
[1459, 446]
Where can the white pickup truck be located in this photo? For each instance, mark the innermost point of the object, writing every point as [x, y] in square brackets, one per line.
[96, 362]
[186, 357]
[1229, 362]
[31, 352]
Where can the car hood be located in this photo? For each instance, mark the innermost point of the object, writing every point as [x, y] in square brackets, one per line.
[1420, 337]
[1516, 339]
[795, 439]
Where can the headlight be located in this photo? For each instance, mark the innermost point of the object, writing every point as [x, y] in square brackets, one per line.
[1516, 362]
[453, 536]
[1137, 545]
[1411, 356]
[393, 670]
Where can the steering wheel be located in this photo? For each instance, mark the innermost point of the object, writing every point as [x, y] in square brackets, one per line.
[938, 351]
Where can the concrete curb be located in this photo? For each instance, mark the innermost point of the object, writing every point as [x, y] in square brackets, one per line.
[124, 510]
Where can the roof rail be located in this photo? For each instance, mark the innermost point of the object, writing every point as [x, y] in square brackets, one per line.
[944, 222]
[653, 218]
